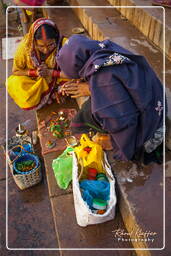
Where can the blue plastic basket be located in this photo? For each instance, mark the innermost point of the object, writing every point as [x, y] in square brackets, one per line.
[17, 151]
[26, 157]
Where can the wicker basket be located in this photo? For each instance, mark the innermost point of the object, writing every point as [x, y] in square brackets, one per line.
[25, 180]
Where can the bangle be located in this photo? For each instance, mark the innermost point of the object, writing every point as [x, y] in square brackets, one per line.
[56, 73]
[32, 72]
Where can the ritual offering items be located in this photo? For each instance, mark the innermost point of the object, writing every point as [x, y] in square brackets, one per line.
[104, 140]
[25, 168]
[78, 30]
[71, 141]
[59, 125]
[62, 116]
[24, 164]
[34, 137]
[91, 133]
[50, 144]
[56, 127]
[21, 130]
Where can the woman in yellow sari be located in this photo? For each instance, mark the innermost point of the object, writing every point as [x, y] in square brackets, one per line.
[36, 74]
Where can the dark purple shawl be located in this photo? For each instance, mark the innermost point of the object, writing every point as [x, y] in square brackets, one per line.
[126, 97]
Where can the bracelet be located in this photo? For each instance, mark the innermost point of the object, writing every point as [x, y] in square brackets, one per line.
[56, 73]
[32, 72]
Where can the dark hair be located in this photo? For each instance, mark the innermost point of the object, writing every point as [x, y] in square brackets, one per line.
[51, 32]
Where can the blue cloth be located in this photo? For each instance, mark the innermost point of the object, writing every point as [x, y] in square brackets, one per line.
[126, 95]
[94, 189]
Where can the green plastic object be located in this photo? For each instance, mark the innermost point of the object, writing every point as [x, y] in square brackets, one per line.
[99, 204]
[62, 167]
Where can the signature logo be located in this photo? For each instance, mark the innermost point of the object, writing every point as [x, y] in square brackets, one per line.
[136, 235]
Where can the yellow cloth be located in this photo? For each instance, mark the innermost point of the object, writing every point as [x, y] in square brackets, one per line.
[27, 91]
[29, 12]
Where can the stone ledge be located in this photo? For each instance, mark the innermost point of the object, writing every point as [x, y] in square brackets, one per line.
[148, 21]
[42, 115]
[93, 236]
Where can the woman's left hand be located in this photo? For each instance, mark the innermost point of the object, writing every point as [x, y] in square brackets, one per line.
[76, 89]
[44, 71]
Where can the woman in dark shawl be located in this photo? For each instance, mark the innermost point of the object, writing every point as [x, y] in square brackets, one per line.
[126, 95]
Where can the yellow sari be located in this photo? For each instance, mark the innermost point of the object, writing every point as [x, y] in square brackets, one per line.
[32, 92]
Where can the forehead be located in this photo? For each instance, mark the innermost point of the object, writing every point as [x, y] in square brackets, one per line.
[44, 41]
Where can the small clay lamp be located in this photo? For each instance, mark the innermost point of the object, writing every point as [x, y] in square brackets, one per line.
[61, 116]
[50, 144]
[20, 130]
[71, 141]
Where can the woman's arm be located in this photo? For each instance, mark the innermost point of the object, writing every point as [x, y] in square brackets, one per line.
[25, 72]
[42, 71]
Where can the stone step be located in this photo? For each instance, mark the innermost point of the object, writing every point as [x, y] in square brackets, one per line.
[140, 184]
[149, 21]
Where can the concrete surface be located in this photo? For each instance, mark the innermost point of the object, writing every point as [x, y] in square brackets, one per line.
[148, 20]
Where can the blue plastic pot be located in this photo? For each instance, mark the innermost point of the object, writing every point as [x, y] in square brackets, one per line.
[23, 158]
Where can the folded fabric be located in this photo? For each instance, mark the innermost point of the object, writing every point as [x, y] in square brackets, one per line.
[94, 189]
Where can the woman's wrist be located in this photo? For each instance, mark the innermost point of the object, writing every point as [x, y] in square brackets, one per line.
[56, 73]
[32, 73]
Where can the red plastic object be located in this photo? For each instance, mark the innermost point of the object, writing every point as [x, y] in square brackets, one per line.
[87, 149]
[92, 172]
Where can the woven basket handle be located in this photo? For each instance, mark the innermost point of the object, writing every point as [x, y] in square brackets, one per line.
[17, 146]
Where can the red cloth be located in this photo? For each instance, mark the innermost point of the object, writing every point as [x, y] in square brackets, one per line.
[33, 2]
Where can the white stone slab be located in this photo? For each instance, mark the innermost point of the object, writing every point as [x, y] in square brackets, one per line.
[11, 43]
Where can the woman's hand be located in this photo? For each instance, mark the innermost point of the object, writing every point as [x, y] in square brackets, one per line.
[44, 71]
[76, 89]
[62, 74]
